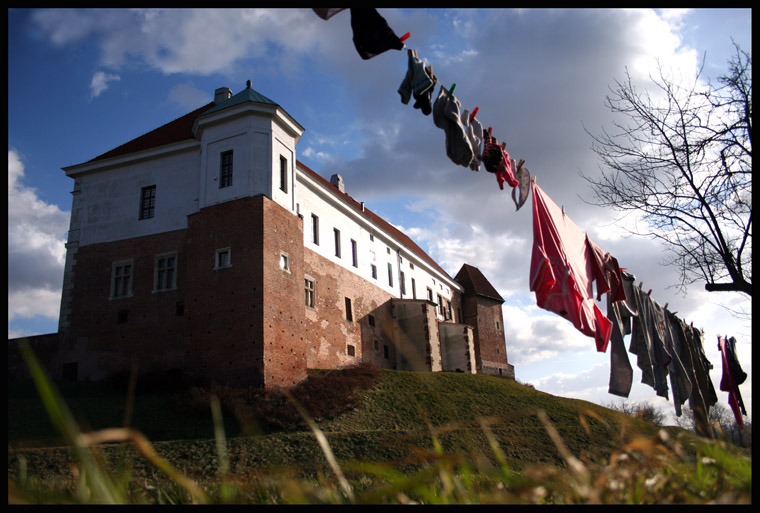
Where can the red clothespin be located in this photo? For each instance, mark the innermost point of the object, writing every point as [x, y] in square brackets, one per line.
[472, 116]
[649, 293]
[404, 37]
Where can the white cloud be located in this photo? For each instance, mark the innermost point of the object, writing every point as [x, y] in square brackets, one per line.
[99, 82]
[36, 248]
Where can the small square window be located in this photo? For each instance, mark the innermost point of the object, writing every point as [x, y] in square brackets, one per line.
[223, 258]
[285, 262]
[350, 350]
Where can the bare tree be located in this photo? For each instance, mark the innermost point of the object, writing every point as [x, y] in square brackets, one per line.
[683, 161]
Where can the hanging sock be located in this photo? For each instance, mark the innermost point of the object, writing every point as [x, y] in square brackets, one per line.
[327, 12]
[496, 160]
[474, 131]
[422, 101]
[523, 184]
[416, 81]
[446, 116]
[372, 35]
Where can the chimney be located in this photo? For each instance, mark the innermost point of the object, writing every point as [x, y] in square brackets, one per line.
[222, 94]
[337, 181]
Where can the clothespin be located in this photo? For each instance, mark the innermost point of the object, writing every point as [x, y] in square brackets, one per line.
[649, 293]
[520, 164]
[451, 91]
[534, 179]
[404, 37]
[665, 307]
[472, 116]
[563, 215]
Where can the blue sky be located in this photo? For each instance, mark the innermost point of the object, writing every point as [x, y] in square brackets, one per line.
[81, 82]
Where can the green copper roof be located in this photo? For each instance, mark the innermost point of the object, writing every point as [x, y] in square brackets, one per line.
[246, 95]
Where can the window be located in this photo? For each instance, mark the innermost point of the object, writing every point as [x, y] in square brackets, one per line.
[165, 272]
[402, 282]
[337, 242]
[349, 314]
[377, 345]
[225, 169]
[440, 306]
[350, 350]
[414, 289]
[430, 294]
[448, 311]
[121, 279]
[315, 229]
[283, 174]
[371, 319]
[354, 256]
[373, 268]
[309, 292]
[223, 258]
[385, 351]
[371, 237]
[390, 274]
[148, 202]
[284, 261]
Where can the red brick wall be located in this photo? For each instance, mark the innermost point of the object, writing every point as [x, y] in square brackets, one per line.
[327, 330]
[284, 332]
[490, 348]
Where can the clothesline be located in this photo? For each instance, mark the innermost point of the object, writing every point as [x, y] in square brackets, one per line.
[565, 261]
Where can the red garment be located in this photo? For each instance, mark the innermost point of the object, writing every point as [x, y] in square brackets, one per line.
[606, 271]
[561, 271]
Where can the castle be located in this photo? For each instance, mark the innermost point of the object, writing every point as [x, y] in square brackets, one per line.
[205, 246]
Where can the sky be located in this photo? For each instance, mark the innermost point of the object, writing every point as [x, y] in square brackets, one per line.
[81, 82]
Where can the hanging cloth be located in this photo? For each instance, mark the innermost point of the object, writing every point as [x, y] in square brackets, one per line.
[372, 35]
[474, 131]
[620, 314]
[733, 376]
[447, 117]
[680, 379]
[523, 184]
[327, 12]
[416, 81]
[422, 101]
[560, 270]
[496, 160]
[697, 372]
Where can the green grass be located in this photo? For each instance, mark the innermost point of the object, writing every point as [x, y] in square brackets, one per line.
[363, 435]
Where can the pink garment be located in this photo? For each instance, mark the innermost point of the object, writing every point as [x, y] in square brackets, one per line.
[561, 272]
[728, 383]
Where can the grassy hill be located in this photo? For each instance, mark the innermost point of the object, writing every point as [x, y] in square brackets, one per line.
[395, 437]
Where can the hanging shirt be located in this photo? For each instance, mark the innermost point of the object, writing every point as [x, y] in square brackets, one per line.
[733, 376]
[447, 117]
[372, 35]
[620, 314]
[560, 270]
